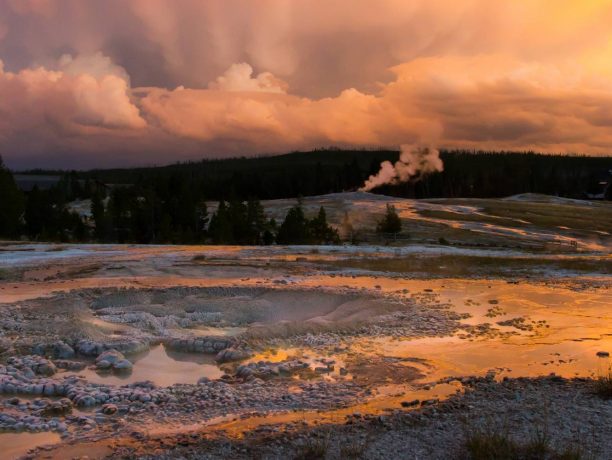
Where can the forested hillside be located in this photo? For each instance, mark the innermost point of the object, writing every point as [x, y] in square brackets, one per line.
[168, 204]
[466, 174]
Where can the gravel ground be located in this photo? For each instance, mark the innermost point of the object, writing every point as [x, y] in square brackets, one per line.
[347, 330]
[564, 412]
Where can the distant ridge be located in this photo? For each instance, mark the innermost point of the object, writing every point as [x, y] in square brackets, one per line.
[477, 174]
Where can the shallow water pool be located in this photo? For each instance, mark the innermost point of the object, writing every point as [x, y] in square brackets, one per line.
[161, 366]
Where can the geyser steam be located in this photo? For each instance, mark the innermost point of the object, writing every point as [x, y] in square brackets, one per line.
[414, 162]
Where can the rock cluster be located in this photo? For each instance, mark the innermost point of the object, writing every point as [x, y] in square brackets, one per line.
[62, 350]
[232, 354]
[62, 406]
[267, 370]
[211, 345]
[144, 401]
[69, 365]
[32, 423]
[81, 393]
[113, 360]
[59, 349]
[32, 365]
[92, 348]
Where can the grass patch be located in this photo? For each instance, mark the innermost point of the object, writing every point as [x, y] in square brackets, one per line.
[603, 385]
[353, 450]
[494, 443]
[465, 266]
[586, 217]
[312, 449]
[13, 274]
[485, 445]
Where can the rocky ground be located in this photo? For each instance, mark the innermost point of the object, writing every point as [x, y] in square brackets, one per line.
[311, 363]
[563, 418]
[49, 357]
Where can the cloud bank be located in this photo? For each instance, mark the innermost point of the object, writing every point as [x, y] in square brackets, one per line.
[114, 82]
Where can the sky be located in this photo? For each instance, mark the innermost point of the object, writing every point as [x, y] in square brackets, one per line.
[98, 83]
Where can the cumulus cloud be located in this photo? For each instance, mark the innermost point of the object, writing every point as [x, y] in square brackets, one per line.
[319, 48]
[484, 101]
[52, 108]
[239, 77]
[87, 78]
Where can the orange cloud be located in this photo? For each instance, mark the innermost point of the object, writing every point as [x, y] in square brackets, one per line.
[483, 101]
[87, 78]
[239, 77]
[69, 98]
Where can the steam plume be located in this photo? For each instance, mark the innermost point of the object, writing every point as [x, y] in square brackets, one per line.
[414, 162]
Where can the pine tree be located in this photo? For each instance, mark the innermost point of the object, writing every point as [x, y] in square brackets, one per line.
[294, 229]
[237, 214]
[391, 222]
[101, 222]
[270, 231]
[256, 221]
[11, 203]
[38, 214]
[320, 231]
[220, 229]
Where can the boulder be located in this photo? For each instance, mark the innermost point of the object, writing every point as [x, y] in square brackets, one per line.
[231, 354]
[103, 365]
[123, 365]
[109, 409]
[63, 351]
[113, 359]
[111, 356]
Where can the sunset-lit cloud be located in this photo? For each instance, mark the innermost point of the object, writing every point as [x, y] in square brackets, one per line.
[130, 82]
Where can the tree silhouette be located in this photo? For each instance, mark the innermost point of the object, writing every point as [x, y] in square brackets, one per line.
[320, 231]
[294, 229]
[11, 203]
[390, 223]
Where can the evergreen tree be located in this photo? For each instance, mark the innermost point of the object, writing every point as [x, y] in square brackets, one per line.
[237, 213]
[220, 229]
[256, 221]
[320, 231]
[166, 234]
[390, 223]
[269, 233]
[119, 211]
[295, 228]
[38, 214]
[142, 217]
[11, 204]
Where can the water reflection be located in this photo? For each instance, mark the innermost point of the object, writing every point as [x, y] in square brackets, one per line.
[161, 366]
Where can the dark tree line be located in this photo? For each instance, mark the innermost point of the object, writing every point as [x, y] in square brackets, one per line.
[168, 204]
[466, 174]
[174, 212]
[470, 174]
[237, 222]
